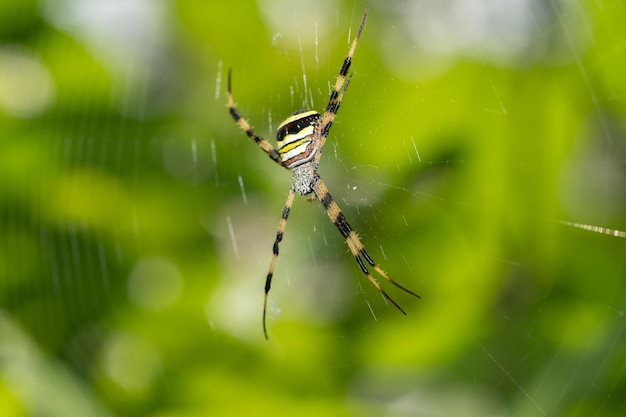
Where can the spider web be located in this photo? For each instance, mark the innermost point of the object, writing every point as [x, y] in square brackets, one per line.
[479, 153]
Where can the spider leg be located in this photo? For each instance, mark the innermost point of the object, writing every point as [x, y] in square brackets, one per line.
[336, 96]
[354, 243]
[245, 126]
[279, 237]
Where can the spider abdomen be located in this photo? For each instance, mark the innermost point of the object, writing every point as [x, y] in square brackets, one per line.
[297, 143]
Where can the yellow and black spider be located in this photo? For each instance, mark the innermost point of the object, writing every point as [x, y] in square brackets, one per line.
[300, 139]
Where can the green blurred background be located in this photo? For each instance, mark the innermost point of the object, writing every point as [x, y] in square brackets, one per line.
[136, 219]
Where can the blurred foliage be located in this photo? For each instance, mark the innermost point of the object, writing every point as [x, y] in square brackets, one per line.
[136, 219]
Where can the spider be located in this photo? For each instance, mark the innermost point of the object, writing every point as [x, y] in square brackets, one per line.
[300, 139]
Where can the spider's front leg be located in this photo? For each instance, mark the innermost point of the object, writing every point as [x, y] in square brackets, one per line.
[354, 243]
[282, 225]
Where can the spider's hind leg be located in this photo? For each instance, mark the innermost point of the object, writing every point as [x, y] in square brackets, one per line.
[245, 126]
